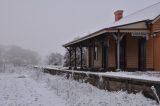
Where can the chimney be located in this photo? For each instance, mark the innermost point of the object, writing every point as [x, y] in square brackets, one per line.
[118, 15]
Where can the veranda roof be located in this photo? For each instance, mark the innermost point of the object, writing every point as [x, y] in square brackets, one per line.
[129, 22]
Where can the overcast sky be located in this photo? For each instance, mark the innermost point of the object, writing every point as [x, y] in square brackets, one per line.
[45, 25]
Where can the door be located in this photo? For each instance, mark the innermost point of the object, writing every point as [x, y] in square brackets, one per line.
[104, 57]
[142, 54]
[123, 53]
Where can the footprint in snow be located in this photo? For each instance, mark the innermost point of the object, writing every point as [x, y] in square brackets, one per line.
[22, 76]
[36, 99]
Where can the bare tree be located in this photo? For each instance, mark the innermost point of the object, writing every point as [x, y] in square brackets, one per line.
[18, 56]
[54, 59]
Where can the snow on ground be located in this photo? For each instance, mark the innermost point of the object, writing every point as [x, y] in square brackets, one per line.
[21, 90]
[29, 87]
[84, 94]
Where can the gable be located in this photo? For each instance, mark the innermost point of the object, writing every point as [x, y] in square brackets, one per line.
[156, 24]
[156, 19]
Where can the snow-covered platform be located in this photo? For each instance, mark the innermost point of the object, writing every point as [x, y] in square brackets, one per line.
[148, 76]
[113, 81]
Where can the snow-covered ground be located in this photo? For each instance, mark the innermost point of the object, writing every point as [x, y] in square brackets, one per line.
[29, 87]
[19, 89]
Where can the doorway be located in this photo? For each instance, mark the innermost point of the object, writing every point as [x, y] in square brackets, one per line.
[104, 57]
[123, 53]
[142, 54]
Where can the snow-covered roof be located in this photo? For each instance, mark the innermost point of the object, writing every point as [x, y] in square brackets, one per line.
[147, 14]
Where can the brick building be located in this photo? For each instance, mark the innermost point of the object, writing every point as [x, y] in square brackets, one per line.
[130, 43]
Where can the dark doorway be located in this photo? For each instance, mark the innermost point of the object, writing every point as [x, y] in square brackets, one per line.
[142, 54]
[104, 57]
[123, 53]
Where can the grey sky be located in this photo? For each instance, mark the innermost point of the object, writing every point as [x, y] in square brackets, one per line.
[44, 25]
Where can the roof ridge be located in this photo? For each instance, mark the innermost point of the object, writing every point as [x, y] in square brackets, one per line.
[141, 10]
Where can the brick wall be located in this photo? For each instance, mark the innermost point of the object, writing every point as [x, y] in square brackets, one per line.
[132, 52]
[156, 44]
[149, 53]
[157, 52]
[156, 25]
[112, 53]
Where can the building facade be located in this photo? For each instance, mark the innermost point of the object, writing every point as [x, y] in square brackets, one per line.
[130, 43]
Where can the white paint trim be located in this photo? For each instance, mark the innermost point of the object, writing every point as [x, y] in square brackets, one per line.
[134, 25]
[157, 31]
